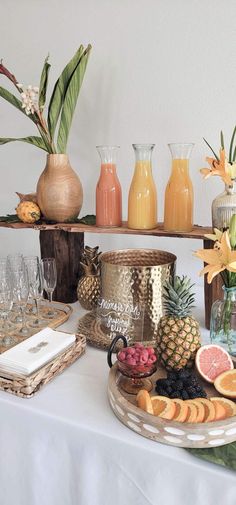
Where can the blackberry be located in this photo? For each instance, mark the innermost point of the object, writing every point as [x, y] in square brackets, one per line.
[169, 390]
[184, 374]
[161, 382]
[179, 385]
[193, 394]
[185, 395]
[161, 391]
[193, 380]
[170, 382]
[175, 394]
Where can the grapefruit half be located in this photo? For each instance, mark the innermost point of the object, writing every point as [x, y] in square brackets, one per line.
[211, 361]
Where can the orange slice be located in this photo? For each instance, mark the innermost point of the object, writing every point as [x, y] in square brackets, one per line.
[163, 407]
[181, 410]
[192, 413]
[228, 406]
[220, 411]
[200, 410]
[225, 383]
[209, 408]
[144, 401]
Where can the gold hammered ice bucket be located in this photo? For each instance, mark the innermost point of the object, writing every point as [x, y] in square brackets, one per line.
[134, 278]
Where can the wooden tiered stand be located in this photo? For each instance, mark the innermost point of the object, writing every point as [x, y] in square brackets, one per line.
[65, 241]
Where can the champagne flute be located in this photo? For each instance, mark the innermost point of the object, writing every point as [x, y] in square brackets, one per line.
[6, 302]
[49, 271]
[35, 287]
[21, 295]
[31, 309]
[15, 262]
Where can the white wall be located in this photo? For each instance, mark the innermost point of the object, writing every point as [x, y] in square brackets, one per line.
[160, 71]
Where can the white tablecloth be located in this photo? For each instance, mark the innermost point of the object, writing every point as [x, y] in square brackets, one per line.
[66, 447]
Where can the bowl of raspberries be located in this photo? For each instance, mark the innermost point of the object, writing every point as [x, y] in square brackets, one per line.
[135, 363]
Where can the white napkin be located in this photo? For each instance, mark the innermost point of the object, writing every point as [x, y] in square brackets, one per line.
[35, 351]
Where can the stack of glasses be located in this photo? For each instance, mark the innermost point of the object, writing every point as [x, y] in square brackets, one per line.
[22, 282]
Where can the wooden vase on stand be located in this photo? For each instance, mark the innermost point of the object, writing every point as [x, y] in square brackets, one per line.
[59, 190]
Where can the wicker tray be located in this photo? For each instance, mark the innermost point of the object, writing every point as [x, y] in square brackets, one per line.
[202, 435]
[26, 387]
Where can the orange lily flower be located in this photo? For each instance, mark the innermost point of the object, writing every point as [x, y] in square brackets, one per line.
[217, 168]
[218, 259]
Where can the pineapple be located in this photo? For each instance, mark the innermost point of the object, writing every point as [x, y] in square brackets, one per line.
[88, 290]
[28, 212]
[178, 335]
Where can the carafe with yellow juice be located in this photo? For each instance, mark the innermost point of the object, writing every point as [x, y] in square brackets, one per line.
[142, 204]
[178, 214]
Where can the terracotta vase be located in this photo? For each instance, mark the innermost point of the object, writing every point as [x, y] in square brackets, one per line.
[59, 190]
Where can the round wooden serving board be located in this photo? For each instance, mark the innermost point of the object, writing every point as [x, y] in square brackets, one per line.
[194, 435]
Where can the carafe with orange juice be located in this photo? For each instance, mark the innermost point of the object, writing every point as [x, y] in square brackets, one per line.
[178, 214]
[108, 189]
[142, 204]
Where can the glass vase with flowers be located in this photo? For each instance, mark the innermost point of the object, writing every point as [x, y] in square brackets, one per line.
[224, 205]
[222, 260]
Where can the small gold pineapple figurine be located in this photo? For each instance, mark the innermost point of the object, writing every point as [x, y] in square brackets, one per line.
[88, 289]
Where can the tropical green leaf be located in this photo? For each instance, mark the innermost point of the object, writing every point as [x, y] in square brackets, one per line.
[231, 146]
[224, 455]
[59, 91]
[222, 140]
[216, 157]
[70, 101]
[9, 97]
[89, 219]
[234, 155]
[43, 84]
[36, 141]
[10, 218]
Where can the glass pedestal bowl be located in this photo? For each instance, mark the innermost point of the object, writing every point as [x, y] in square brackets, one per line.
[133, 376]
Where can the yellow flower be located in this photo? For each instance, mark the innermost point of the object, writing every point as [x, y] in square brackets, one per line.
[217, 168]
[218, 259]
[231, 169]
[216, 236]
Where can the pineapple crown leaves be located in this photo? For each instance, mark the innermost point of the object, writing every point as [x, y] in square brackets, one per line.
[178, 299]
[90, 260]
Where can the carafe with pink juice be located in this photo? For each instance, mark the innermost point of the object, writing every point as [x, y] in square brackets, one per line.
[108, 190]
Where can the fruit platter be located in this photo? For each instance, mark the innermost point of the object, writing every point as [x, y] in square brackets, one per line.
[177, 392]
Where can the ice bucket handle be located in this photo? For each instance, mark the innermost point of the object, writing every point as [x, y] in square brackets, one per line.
[111, 348]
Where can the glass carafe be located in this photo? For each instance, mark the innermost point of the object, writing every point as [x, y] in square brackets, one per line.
[178, 215]
[142, 205]
[108, 190]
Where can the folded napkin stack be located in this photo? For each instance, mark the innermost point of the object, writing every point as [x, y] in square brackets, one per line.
[35, 351]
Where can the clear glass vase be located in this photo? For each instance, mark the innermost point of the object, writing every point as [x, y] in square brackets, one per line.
[142, 203]
[223, 321]
[178, 214]
[223, 207]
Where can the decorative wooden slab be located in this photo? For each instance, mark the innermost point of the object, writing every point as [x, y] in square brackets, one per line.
[198, 232]
[201, 435]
